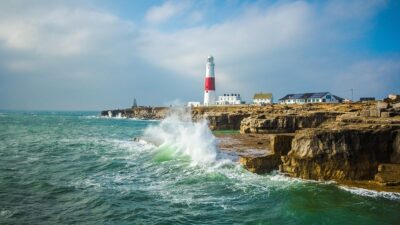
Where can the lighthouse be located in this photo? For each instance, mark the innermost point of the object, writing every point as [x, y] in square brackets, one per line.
[209, 87]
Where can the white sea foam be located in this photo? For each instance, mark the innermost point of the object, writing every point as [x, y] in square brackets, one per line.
[120, 118]
[136, 146]
[91, 117]
[5, 213]
[371, 193]
[193, 139]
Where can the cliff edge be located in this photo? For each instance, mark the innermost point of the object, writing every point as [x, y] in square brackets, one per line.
[354, 142]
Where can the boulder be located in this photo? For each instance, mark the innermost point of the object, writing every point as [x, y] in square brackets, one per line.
[375, 112]
[386, 114]
[269, 159]
[381, 105]
[260, 164]
[396, 106]
[365, 113]
[388, 174]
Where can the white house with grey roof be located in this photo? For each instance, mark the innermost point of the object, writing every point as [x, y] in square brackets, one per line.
[320, 97]
[262, 98]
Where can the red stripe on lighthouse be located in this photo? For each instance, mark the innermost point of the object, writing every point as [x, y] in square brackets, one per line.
[209, 84]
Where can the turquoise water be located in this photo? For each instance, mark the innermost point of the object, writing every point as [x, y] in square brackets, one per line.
[78, 168]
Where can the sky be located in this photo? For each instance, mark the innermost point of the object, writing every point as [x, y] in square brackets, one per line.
[100, 54]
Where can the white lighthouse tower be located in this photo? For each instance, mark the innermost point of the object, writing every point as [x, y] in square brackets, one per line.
[209, 87]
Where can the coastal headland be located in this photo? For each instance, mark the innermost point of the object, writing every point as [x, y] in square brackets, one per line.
[355, 144]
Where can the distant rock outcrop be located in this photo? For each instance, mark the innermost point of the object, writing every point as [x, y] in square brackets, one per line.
[140, 112]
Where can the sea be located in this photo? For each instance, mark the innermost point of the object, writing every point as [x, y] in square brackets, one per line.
[81, 168]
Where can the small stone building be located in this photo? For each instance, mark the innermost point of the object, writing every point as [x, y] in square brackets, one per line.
[262, 98]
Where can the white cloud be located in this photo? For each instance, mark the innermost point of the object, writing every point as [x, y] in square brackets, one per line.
[62, 31]
[240, 40]
[282, 47]
[166, 11]
[195, 17]
[286, 47]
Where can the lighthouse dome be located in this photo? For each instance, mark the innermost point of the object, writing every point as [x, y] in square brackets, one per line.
[210, 58]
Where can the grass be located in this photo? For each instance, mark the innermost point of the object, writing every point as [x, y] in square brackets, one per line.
[226, 132]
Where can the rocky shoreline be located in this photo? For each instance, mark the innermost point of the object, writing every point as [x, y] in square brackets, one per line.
[355, 144]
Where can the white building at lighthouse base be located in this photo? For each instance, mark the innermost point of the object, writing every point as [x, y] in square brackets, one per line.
[230, 99]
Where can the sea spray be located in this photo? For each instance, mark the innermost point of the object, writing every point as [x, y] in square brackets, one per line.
[179, 134]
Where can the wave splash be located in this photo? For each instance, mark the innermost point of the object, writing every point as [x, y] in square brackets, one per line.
[179, 133]
[371, 193]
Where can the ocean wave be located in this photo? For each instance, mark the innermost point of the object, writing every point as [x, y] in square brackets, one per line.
[138, 145]
[371, 193]
[179, 133]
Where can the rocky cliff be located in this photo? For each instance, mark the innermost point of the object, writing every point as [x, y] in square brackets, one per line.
[340, 154]
[285, 123]
[341, 145]
[343, 142]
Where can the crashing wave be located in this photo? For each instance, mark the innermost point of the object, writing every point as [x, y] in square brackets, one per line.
[179, 133]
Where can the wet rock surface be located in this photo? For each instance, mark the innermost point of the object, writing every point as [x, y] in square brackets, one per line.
[259, 153]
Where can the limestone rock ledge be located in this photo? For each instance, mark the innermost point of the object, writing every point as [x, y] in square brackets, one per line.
[268, 159]
[284, 123]
[342, 154]
[221, 121]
